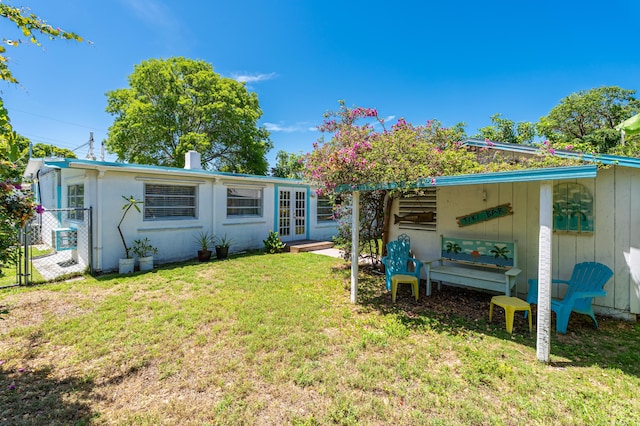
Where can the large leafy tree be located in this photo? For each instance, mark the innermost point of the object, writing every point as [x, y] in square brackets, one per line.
[585, 120]
[508, 131]
[175, 105]
[288, 165]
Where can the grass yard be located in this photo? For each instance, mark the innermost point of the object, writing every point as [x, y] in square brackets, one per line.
[273, 339]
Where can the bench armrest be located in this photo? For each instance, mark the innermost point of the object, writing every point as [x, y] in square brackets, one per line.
[584, 294]
[430, 261]
[513, 272]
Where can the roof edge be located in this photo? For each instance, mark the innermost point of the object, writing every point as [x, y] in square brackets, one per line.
[524, 175]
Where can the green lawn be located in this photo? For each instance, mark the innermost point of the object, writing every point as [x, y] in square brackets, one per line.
[273, 339]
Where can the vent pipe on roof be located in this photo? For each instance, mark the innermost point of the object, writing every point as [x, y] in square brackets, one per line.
[192, 160]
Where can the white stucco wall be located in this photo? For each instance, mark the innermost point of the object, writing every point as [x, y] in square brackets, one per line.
[175, 239]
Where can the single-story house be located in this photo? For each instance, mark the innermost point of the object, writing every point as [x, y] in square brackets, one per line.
[594, 216]
[177, 205]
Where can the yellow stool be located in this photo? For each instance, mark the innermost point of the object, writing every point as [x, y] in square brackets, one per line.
[405, 279]
[510, 305]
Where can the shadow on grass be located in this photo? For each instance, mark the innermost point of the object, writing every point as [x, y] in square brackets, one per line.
[114, 275]
[33, 397]
[456, 311]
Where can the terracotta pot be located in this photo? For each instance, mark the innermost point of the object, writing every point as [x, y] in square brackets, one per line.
[204, 255]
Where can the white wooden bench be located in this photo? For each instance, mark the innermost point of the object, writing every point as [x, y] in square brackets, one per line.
[485, 264]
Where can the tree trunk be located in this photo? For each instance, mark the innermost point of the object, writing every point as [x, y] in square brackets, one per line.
[386, 222]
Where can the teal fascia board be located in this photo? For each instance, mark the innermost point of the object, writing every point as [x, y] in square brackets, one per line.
[65, 163]
[527, 175]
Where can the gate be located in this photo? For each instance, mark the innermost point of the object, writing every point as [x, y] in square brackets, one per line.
[54, 245]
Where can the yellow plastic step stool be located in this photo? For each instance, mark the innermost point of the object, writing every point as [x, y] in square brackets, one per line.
[404, 279]
[510, 305]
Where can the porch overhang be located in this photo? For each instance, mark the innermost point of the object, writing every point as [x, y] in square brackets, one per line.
[525, 175]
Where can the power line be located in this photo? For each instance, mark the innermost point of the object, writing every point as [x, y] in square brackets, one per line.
[57, 120]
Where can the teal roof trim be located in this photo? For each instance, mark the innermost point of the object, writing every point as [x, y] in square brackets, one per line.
[526, 175]
[616, 160]
[65, 163]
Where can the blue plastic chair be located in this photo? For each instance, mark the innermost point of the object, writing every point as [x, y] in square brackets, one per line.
[399, 262]
[587, 281]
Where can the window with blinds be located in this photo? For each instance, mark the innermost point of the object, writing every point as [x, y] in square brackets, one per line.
[418, 211]
[169, 202]
[244, 202]
[325, 210]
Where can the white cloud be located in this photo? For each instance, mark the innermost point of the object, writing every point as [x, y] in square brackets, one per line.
[150, 11]
[289, 128]
[253, 78]
[272, 127]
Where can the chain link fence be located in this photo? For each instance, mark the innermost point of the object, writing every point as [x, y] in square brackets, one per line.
[54, 245]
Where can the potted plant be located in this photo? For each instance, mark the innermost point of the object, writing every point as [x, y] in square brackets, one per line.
[204, 240]
[125, 265]
[145, 251]
[222, 247]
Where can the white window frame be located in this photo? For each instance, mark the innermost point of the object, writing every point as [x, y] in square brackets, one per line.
[239, 206]
[75, 201]
[184, 205]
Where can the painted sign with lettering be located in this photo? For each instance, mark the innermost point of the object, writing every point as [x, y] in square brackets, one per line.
[484, 215]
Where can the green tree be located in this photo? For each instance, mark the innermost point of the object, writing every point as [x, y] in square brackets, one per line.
[41, 150]
[585, 120]
[288, 165]
[28, 25]
[176, 105]
[508, 131]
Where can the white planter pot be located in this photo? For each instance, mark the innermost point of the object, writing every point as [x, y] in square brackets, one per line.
[146, 263]
[125, 266]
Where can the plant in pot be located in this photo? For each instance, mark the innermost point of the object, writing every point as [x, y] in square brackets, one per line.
[205, 240]
[222, 247]
[125, 265]
[145, 251]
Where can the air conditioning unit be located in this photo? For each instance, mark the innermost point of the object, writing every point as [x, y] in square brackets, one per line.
[64, 238]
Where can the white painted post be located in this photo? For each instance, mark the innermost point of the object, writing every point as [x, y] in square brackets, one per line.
[355, 243]
[544, 271]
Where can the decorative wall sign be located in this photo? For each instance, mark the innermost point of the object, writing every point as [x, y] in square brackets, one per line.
[572, 208]
[484, 215]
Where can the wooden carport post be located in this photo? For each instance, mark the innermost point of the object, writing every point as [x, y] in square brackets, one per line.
[544, 271]
[355, 243]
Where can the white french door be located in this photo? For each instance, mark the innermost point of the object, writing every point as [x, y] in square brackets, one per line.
[292, 214]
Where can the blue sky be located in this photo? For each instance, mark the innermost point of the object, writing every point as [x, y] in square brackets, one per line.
[456, 61]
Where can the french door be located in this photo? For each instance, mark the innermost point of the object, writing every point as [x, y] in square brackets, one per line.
[292, 214]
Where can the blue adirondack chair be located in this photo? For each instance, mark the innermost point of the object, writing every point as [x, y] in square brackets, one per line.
[398, 261]
[587, 281]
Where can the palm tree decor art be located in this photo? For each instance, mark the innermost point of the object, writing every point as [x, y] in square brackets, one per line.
[500, 251]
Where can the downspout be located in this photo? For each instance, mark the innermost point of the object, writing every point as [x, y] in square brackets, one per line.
[99, 226]
[59, 196]
[276, 209]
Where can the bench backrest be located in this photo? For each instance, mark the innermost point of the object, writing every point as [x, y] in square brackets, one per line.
[501, 254]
